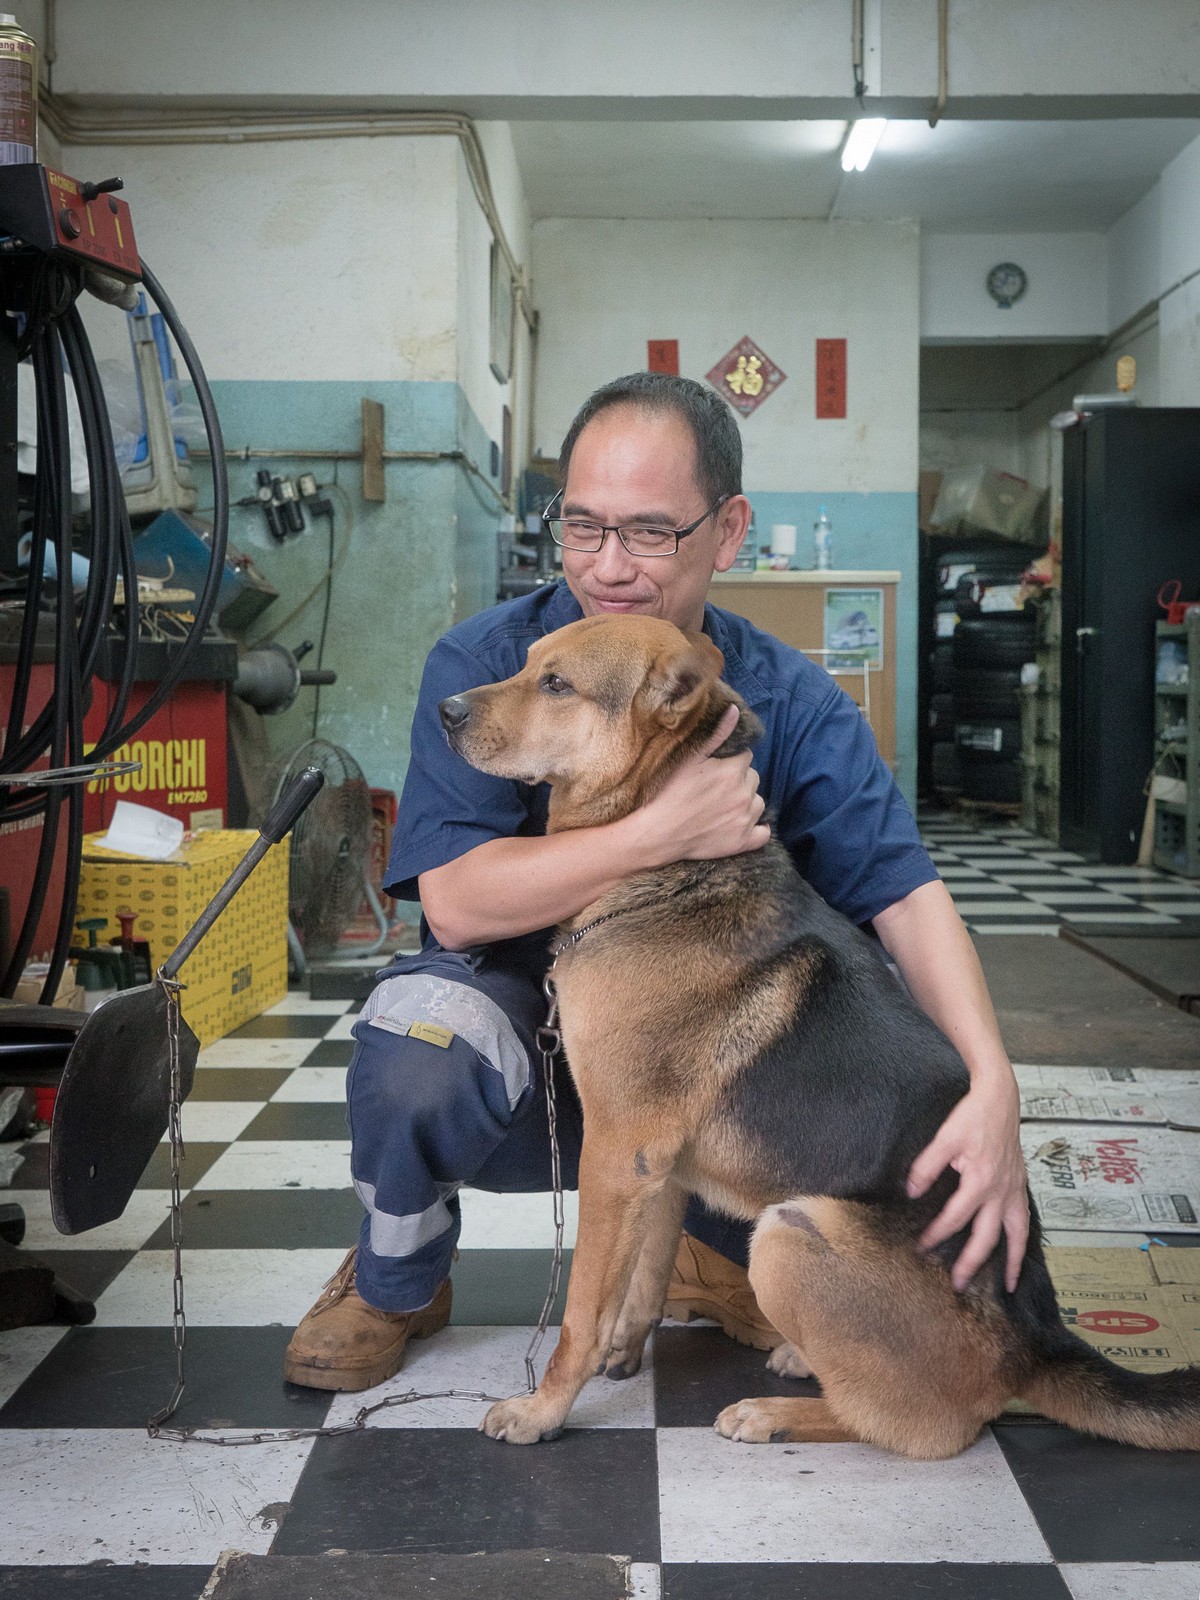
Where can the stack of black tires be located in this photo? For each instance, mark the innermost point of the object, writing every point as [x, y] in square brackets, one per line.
[974, 712]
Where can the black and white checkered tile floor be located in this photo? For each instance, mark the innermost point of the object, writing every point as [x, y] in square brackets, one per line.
[1030, 1511]
[1005, 880]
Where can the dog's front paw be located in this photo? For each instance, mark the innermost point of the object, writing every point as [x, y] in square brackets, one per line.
[751, 1422]
[521, 1420]
[785, 1361]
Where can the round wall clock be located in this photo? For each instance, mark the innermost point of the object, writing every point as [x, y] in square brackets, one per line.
[1006, 283]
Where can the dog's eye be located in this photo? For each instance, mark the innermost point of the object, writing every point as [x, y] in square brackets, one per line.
[553, 684]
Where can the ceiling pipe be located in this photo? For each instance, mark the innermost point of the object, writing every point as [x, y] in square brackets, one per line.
[939, 105]
[223, 127]
[857, 47]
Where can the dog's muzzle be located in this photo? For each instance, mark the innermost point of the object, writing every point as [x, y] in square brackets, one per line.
[454, 713]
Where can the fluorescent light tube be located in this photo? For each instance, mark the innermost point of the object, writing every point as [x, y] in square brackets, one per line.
[860, 144]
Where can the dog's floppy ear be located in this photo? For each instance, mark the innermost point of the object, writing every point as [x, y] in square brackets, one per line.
[678, 681]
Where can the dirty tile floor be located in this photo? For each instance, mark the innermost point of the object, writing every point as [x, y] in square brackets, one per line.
[1029, 1511]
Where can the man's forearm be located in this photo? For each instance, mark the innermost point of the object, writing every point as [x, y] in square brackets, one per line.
[509, 887]
[925, 937]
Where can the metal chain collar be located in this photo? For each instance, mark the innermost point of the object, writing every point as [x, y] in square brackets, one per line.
[549, 1040]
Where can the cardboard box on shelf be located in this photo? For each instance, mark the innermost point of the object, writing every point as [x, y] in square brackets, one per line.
[240, 967]
[980, 500]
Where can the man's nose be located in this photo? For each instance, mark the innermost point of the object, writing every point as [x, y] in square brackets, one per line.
[454, 712]
[612, 558]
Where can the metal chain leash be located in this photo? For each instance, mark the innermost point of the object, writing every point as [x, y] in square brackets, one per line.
[170, 988]
[549, 1039]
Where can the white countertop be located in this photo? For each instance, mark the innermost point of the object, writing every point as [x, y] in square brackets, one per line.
[809, 575]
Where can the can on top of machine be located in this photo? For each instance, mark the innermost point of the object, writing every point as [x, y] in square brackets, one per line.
[18, 93]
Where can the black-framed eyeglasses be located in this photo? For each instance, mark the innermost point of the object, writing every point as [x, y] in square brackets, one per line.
[580, 533]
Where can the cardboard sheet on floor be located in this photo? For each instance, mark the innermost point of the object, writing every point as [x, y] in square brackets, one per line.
[1113, 1179]
[1057, 1003]
[1125, 1304]
[365, 1575]
[1115, 1095]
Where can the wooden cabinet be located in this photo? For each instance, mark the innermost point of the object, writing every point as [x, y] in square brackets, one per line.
[792, 606]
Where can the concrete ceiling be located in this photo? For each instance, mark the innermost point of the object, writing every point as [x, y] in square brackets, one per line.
[1059, 176]
[1001, 377]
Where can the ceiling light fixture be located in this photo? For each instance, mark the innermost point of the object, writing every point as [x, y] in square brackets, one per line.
[860, 144]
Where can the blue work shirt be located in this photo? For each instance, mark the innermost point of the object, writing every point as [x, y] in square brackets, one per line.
[836, 804]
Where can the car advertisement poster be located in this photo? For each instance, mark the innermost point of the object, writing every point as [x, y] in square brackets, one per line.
[853, 629]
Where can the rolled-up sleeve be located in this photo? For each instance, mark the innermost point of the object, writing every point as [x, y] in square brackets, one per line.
[841, 815]
[447, 807]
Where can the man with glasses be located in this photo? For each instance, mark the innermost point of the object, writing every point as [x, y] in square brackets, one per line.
[444, 1087]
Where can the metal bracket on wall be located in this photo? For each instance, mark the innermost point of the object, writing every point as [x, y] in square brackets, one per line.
[374, 486]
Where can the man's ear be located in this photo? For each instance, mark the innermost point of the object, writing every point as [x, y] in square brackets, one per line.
[677, 683]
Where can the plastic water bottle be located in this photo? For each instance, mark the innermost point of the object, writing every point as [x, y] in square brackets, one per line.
[823, 542]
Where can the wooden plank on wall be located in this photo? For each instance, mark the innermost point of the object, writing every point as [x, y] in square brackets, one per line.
[373, 485]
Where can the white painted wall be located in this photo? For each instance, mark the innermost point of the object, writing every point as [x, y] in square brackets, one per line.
[486, 396]
[1067, 296]
[969, 438]
[1179, 308]
[1179, 344]
[605, 287]
[329, 258]
[1135, 259]
[1039, 447]
[1180, 185]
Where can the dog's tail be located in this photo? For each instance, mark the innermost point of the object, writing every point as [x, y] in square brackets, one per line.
[1075, 1384]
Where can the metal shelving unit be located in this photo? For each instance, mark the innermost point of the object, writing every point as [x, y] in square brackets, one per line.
[1177, 750]
[1041, 714]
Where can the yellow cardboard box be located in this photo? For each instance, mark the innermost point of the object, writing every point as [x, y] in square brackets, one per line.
[240, 966]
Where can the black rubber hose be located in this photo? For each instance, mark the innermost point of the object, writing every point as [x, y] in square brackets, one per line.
[98, 598]
[96, 609]
[54, 474]
[207, 599]
[118, 536]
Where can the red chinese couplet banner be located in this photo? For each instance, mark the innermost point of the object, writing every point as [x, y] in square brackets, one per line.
[662, 355]
[831, 378]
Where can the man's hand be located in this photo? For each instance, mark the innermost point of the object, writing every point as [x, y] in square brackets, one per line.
[925, 937]
[708, 808]
[979, 1139]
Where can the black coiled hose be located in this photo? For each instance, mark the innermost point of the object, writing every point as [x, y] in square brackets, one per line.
[54, 330]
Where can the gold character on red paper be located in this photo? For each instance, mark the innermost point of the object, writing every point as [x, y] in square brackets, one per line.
[746, 378]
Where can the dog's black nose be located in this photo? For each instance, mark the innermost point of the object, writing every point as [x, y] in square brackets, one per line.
[454, 712]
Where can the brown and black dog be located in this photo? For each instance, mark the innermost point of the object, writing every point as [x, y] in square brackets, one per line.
[732, 1036]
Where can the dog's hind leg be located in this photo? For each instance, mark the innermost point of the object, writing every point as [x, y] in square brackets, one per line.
[904, 1361]
[648, 1287]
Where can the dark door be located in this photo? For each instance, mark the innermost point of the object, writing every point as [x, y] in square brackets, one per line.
[1131, 520]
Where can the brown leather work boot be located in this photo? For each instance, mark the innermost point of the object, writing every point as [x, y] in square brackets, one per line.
[343, 1343]
[705, 1284]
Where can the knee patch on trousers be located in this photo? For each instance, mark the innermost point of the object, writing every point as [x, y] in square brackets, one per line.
[432, 1009]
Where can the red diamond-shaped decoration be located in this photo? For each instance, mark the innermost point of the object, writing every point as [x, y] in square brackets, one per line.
[746, 376]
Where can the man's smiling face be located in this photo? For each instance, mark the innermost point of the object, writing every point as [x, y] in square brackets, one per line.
[634, 466]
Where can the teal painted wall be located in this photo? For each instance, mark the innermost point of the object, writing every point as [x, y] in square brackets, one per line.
[870, 531]
[415, 564]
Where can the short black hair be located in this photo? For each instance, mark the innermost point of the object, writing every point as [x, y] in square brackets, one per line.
[712, 422]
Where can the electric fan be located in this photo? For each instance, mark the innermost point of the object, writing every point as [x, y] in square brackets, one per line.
[330, 851]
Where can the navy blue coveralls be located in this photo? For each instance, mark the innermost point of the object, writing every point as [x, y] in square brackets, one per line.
[444, 1086]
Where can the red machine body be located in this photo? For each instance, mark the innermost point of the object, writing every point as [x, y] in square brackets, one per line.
[49, 211]
[184, 772]
[182, 752]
